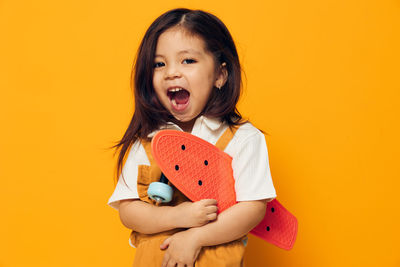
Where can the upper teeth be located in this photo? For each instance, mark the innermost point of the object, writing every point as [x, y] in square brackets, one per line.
[175, 89]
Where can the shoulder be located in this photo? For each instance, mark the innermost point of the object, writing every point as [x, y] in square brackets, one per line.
[246, 135]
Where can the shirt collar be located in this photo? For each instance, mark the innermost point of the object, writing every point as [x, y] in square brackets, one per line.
[212, 123]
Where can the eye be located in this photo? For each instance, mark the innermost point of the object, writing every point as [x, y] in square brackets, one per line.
[189, 61]
[158, 64]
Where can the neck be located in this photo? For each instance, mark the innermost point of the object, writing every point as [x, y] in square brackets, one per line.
[186, 126]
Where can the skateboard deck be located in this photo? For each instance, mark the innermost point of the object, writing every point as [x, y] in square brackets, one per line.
[200, 170]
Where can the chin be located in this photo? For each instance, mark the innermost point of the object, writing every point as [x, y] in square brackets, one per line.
[185, 119]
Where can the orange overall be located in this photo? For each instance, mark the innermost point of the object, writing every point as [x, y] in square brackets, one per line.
[148, 252]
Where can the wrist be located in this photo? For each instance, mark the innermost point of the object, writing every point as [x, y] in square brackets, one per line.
[169, 217]
[197, 236]
[176, 217]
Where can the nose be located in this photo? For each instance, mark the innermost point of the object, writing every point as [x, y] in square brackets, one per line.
[172, 72]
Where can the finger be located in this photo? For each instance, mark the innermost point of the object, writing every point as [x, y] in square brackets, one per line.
[171, 263]
[165, 244]
[212, 216]
[211, 209]
[180, 264]
[165, 260]
[208, 202]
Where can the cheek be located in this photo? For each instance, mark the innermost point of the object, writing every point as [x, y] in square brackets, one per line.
[203, 79]
[157, 88]
[157, 83]
[155, 79]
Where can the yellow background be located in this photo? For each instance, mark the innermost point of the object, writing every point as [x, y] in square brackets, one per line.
[322, 80]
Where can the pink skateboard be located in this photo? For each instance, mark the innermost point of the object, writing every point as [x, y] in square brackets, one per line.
[200, 170]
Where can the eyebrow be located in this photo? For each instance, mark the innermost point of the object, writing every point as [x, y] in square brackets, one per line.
[187, 51]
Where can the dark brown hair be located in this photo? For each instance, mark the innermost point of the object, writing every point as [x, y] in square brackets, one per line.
[149, 113]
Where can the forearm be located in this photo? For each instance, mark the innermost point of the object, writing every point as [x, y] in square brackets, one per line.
[148, 219]
[231, 224]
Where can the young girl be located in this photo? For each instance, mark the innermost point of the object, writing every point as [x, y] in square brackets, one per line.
[187, 77]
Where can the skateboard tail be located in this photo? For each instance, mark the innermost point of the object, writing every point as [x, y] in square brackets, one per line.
[279, 226]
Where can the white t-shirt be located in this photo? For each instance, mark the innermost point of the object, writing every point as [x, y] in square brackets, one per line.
[249, 161]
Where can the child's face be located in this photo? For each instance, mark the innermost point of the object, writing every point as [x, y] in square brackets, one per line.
[184, 74]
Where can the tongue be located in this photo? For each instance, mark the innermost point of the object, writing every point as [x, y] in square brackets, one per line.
[181, 97]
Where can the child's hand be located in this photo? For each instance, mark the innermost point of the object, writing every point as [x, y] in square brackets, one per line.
[182, 249]
[195, 214]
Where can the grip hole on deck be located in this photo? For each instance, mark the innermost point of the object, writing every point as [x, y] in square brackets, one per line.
[183, 147]
[206, 162]
[177, 167]
[268, 228]
[200, 182]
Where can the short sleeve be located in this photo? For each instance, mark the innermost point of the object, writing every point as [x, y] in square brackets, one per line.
[251, 169]
[128, 189]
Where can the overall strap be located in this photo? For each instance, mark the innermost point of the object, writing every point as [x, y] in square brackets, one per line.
[226, 137]
[147, 147]
[152, 172]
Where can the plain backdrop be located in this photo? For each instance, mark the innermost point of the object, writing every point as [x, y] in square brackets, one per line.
[321, 78]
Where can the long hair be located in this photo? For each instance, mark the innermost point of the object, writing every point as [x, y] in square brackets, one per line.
[149, 113]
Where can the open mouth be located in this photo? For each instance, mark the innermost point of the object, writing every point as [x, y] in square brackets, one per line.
[179, 98]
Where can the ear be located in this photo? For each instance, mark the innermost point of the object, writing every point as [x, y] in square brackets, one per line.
[222, 76]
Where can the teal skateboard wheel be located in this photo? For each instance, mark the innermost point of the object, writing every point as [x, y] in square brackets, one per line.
[160, 192]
